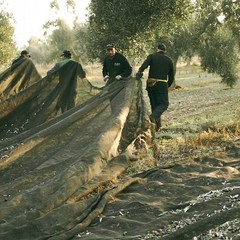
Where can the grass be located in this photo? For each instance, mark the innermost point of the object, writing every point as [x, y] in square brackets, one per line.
[195, 145]
[203, 119]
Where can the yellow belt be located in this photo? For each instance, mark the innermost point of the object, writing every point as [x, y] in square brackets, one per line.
[152, 81]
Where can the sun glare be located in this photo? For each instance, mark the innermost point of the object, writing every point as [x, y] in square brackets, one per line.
[30, 15]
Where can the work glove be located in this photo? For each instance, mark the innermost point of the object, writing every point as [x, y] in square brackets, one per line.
[106, 78]
[138, 75]
[118, 77]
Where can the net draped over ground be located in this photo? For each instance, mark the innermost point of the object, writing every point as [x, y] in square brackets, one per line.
[43, 99]
[61, 173]
[51, 163]
[17, 78]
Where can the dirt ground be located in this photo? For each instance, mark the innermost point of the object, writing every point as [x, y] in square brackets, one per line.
[185, 184]
[193, 191]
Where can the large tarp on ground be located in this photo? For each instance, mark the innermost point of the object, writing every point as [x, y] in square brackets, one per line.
[43, 99]
[191, 199]
[53, 166]
[18, 77]
[61, 176]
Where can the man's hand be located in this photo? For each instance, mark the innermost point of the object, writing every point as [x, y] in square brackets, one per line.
[118, 77]
[138, 75]
[106, 78]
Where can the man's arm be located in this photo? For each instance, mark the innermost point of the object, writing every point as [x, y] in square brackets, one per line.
[81, 72]
[54, 69]
[127, 69]
[104, 69]
[145, 64]
[171, 74]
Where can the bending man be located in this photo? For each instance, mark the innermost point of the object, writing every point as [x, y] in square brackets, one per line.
[115, 66]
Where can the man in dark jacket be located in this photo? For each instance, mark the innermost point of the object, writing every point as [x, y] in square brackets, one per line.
[67, 79]
[24, 54]
[115, 66]
[65, 58]
[160, 78]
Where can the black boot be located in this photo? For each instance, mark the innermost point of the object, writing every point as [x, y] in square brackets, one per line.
[155, 121]
[152, 119]
[158, 124]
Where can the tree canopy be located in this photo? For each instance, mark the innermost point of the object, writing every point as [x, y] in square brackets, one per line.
[7, 45]
[218, 45]
[132, 24]
[188, 28]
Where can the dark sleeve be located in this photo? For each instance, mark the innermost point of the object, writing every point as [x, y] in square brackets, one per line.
[171, 73]
[127, 69]
[16, 60]
[81, 72]
[104, 69]
[145, 64]
[54, 69]
[16, 63]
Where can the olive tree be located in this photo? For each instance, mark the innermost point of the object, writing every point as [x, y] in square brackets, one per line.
[7, 44]
[131, 25]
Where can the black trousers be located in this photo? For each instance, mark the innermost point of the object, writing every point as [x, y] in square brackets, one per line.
[159, 102]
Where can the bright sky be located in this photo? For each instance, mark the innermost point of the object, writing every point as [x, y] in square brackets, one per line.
[30, 15]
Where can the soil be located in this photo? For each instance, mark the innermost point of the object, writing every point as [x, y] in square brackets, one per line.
[193, 192]
[186, 185]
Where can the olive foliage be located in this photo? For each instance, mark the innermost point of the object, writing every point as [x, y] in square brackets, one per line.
[7, 44]
[202, 27]
[217, 28]
[131, 25]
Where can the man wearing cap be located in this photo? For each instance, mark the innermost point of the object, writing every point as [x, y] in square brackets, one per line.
[24, 54]
[65, 58]
[160, 78]
[115, 66]
[68, 77]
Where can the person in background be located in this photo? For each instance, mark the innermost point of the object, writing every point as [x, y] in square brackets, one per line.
[115, 66]
[66, 99]
[24, 54]
[65, 58]
[160, 78]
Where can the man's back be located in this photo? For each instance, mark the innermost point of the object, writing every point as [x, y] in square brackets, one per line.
[17, 59]
[161, 66]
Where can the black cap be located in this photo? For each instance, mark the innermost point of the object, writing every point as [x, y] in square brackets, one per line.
[162, 47]
[24, 52]
[110, 46]
[66, 54]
